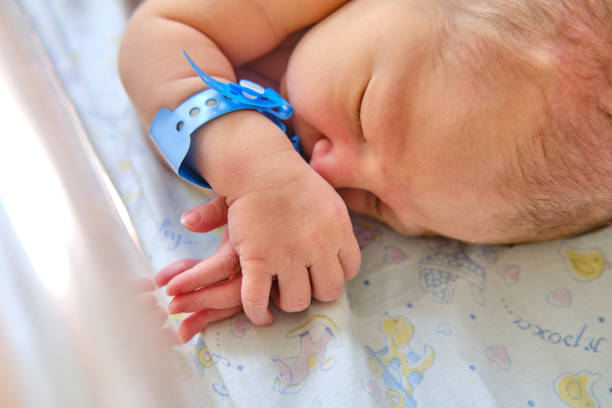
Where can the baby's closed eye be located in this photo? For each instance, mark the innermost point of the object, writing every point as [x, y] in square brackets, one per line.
[359, 112]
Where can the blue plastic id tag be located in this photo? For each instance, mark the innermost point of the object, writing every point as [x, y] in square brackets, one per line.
[171, 130]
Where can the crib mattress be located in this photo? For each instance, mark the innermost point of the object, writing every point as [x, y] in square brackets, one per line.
[426, 323]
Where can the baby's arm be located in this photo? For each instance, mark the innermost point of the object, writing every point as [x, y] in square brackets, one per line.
[218, 35]
[283, 219]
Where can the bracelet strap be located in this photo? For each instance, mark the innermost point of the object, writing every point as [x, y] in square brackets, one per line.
[171, 130]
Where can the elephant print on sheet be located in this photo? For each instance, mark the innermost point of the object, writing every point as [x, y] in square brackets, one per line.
[396, 369]
[314, 337]
[446, 261]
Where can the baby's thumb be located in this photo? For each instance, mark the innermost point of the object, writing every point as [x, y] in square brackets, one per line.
[206, 217]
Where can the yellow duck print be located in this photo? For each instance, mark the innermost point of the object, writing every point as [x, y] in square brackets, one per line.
[585, 265]
[576, 390]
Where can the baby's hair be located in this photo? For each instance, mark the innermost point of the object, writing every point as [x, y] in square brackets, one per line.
[566, 168]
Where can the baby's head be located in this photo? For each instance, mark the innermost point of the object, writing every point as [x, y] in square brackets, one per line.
[482, 120]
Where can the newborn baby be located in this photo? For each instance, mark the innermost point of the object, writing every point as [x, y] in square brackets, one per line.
[482, 120]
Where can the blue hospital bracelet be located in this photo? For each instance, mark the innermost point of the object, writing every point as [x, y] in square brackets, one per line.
[171, 130]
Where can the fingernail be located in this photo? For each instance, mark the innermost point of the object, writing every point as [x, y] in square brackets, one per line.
[191, 218]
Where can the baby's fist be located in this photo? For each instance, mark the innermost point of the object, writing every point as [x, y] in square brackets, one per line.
[298, 232]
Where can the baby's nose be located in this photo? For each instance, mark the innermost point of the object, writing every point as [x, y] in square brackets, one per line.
[319, 158]
[336, 165]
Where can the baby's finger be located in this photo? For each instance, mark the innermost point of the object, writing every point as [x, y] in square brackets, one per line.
[221, 296]
[196, 322]
[294, 289]
[143, 285]
[165, 275]
[327, 279]
[274, 293]
[206, 217]
[219, 266]
[350, 257]
[255, 294]
[169, 336]
[148, 304]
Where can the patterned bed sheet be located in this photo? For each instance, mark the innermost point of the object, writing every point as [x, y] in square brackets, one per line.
[427, 322]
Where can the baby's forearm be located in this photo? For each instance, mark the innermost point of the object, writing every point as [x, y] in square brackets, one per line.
[232, 151]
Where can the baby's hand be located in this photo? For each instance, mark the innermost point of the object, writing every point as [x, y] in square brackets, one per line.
[209, 290]
[146, 301]
[297, 231]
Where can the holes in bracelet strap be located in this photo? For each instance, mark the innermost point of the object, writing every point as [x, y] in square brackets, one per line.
[194, 111]
[211, 102]
[179, 125]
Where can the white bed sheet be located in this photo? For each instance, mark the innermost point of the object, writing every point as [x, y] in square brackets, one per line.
[427, 323]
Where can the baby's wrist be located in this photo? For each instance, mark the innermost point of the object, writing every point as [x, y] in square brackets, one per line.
[244, 151]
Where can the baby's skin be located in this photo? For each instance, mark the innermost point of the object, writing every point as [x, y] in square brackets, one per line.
[288, 232]
[388, 132]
